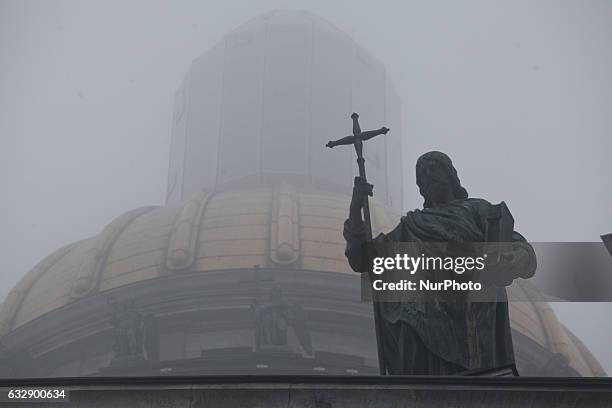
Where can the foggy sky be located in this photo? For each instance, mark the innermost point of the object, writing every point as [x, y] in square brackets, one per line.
[516, 92]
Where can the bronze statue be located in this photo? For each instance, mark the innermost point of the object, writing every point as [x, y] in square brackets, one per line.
[438, 337]
[136, 335]
[273, 320]
[129, 331]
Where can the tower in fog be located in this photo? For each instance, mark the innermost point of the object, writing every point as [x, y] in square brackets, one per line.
[261, 104]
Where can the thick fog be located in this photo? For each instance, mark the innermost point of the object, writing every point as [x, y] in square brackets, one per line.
[518, 93]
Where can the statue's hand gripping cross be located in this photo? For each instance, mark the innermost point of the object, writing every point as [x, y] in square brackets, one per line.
[357, 140]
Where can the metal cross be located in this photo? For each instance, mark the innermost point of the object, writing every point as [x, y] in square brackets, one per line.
[357, 140]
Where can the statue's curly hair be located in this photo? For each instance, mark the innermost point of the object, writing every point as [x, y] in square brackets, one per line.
[458, 191]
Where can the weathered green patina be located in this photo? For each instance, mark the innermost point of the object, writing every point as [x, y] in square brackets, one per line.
[439, 336]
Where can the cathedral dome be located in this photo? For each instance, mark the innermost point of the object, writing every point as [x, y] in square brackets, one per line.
[252, 207]
[198, 265]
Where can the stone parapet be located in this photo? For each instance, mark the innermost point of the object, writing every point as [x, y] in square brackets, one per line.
[329, 391]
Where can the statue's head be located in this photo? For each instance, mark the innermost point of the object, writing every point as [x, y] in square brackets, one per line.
[437, 179]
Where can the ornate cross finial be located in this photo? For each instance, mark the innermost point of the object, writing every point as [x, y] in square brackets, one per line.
[358, 137]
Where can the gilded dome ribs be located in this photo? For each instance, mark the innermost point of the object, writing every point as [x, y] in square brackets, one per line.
[284, 228]
[92, 266]
[182, 248]
[15, 298]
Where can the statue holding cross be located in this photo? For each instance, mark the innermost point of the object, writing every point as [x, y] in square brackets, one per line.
[437, 337]
[357, 140]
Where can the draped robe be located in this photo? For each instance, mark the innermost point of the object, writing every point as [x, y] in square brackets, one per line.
[438, 337]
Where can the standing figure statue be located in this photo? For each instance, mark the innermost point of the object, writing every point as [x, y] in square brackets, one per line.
[274, 318]
[128, 326]
[136, 334]
[437, 337]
